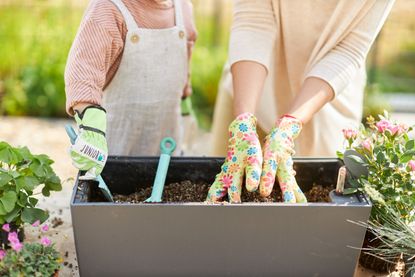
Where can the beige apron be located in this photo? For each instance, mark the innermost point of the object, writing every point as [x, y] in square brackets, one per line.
[143, 99]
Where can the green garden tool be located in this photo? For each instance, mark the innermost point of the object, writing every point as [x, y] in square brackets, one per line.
[167, 147]
[101, 183]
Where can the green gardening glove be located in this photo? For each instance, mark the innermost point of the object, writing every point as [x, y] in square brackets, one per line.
[278, 152]
[89, 152]
[244, 158]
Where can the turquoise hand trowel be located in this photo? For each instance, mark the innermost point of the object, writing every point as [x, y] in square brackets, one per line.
[167, 147]
[101, 184]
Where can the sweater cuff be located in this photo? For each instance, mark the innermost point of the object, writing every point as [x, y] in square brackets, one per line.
[251, 46]
[76, 95]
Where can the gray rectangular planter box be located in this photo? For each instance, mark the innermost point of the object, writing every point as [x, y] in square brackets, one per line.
[195, 239]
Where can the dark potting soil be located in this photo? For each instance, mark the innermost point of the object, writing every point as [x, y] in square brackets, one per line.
[186, 191]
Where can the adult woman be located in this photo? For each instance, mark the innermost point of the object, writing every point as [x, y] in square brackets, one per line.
[313, 53]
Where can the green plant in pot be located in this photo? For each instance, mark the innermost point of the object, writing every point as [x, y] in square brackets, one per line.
[29, 259]
[385, 154]
[22, 176]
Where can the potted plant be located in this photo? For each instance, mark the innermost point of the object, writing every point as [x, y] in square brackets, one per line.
[29, 259]
[22, 175]
[195, 238]
[386, 152]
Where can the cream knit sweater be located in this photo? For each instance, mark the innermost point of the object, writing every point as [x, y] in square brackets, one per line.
[296, 39]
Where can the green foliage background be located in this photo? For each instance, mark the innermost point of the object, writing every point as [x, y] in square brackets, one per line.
[36, 35]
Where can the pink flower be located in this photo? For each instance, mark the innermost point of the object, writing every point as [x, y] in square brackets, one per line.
[45, 241]
[394, 129]
[227, 180]
[36, 223]
[45, 228]
[411, 164]
[6, 227]
[13, 238]
[367, 144]
[2, 254]
[349, 134]
[17, 246]
[383, 125]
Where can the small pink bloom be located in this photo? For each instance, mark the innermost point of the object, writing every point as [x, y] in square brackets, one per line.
[383, 125]
[394, 129]
[227, 180]
[45, 241]
[411, 164]
[349, 134]
[2, 254]
[45, 228]
[367, 144]
[36, 223]
[6, 227]
[17, 246]
[13, 238]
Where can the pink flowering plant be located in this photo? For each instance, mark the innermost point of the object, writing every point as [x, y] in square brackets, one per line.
[29, 259]
[385, 149]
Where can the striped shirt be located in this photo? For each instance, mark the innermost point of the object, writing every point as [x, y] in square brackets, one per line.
[96, 52]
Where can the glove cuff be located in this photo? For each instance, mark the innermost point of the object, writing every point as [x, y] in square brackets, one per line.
[290, 125]
[244, 122]
[93, 118]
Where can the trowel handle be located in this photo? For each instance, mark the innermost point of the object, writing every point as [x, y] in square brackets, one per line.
[161, 174]
[71, 133]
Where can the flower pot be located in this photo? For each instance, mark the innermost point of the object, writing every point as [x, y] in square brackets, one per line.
[191, 239]
[4, 235]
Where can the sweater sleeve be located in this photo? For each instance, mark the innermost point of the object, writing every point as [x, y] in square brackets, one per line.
[339, 66]
[253, 32]
[97, 44]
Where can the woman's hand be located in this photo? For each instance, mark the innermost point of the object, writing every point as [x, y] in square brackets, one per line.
[244, 159]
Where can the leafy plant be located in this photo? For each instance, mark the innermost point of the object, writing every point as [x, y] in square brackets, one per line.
[386, 150]
[29, 259]
[21, 173]
[397, 238]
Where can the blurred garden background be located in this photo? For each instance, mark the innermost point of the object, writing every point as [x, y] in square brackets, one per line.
[35, 37]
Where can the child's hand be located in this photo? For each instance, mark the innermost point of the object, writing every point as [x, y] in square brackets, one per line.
[244, 158]
[278, 151]
[89, 152]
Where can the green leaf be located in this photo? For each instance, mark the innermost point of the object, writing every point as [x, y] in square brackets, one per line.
[380, 157]
[395, 159]
[407, 156]
[37, 168]
[30, 215]
[2, 209]
[4, 178]
[53, 183]
[9, 200]
[13, 214]
[8, 154]
[410, 145]
[33, 201]
[27, 182]
[357, 159]
[340, 155]
[349, 191]
[45, 191]
[22, 199]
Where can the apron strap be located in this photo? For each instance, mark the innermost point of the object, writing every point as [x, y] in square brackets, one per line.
[179, 15]
[129, 19]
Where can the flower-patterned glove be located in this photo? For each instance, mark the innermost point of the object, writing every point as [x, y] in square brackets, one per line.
[244, 158]
[278, 152]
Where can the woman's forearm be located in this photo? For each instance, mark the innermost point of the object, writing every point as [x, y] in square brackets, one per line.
[248, 81]
[314, 94]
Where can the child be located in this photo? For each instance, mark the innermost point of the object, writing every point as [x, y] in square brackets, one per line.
[125, 76]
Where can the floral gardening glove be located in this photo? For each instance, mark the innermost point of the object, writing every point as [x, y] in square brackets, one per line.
[244, 158]
[278, 152]
[89, 152]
